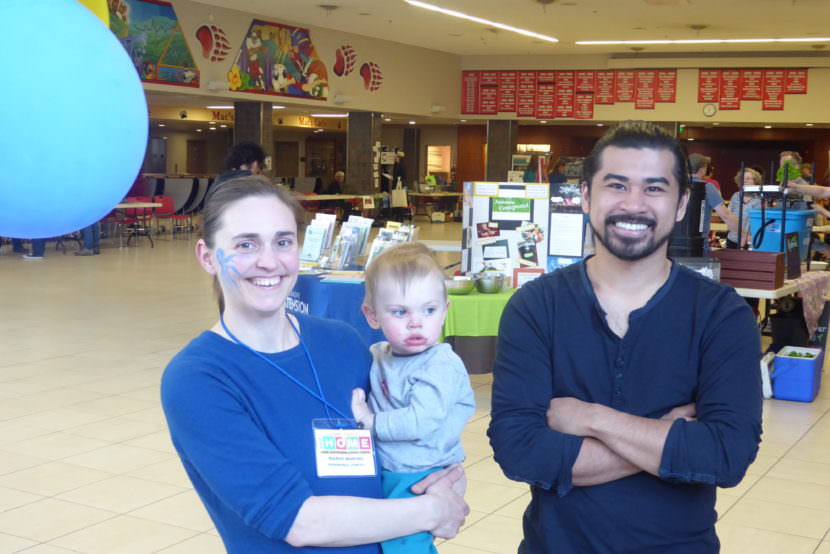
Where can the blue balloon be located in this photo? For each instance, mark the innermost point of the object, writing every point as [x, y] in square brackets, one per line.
[75, 119]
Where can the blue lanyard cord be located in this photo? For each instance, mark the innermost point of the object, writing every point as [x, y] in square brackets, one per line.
[321, 397]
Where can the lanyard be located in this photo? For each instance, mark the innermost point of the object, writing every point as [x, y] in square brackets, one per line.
[321, 396]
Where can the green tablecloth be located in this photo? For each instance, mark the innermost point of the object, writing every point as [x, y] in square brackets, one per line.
[475, 314]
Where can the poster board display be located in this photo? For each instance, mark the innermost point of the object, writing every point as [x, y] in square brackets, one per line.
[504, 226]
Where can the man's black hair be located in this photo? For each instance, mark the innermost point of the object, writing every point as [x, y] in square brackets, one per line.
[639, 134]
[245, 153]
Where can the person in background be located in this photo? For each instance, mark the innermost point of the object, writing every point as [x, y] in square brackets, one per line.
[17, 247]
[531, 174]
[710, 171]
[750, 177]
[622, 414]
[556, 172]
[334, 187]
[246, 158]
[38, 248]
[789, 169]
[698, 164]
[91, 236]
[258, 404]
[807, 172]
[420, 391]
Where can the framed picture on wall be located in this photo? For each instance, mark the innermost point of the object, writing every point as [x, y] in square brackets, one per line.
[522, 275]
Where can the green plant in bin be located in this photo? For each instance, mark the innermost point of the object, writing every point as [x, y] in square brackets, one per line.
[801, 355]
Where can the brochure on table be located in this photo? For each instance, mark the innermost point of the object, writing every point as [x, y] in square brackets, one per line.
[505, 226]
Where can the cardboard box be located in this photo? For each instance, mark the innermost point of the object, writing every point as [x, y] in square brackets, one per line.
[797, 378]
[751, 269]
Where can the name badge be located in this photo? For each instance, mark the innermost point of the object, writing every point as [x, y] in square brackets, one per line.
[343, 449]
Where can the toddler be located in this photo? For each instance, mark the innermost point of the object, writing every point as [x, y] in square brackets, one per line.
[420, 396]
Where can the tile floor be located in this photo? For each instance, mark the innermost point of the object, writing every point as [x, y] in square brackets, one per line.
[86, 465]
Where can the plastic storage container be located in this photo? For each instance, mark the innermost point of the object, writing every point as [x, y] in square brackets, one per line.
[800, 221]
[796, 378]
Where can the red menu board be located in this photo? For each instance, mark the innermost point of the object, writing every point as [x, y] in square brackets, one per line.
[646, 84]
[604, 87]
[565, 85]
[773, 95]
[730, 89]
[584, 81]
[708, 85]
[752, 84]
[488, 92]
[624, 86]
[795, 81]
[506, 98]
[584, 105]
[666, 86]
[525, 93]
[545, 94]
[469, 92]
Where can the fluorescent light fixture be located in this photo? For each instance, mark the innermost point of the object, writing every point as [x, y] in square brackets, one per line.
[600, 124]
[219, 107]
[809, 124]
[690, 139]
[223, 126]
[198, 130]
[543, 121]
[387, 119]
[700, 41]
[162, 125]
[412, 123]
[275, 107]
[463, 121]
[329, 115]
[483, 21]
[211, 123]
[212, 128]
[767, 126]
[715, 123]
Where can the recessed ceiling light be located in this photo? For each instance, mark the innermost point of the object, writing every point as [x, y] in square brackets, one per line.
[690, 139]
[412, 123]
[275, 107]
[716, 123]
[387, 119]
[543, 121]
[211, 123]
[212, 128]
[198, 130]
[767, 126]
[463, 121]
[161, 125]
[329, 115]
[223, 126]
[164, 138]
[701, 41]
[600, 124]
[219, 107]
[483, 21]
[809, 124]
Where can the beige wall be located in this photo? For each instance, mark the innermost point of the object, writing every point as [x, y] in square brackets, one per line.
[218, 145]
[414, 79]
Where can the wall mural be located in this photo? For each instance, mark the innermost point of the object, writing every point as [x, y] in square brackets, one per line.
[279, 59]
[150, 32]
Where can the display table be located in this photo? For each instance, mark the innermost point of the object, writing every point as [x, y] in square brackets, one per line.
[314, 296]
[472, 327]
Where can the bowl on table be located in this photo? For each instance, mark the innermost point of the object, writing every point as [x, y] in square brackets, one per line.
[460, 285]
[489, 283]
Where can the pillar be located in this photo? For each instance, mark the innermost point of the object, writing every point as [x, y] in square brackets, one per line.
[364, 132]
[252, 122]
[502, 136]
[412, 156]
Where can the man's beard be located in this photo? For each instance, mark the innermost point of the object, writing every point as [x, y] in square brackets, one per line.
[625, 248]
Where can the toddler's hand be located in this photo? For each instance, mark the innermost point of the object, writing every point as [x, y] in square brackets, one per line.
[361, 411]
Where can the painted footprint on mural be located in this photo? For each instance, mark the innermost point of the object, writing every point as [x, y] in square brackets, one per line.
[345, 59]
[215, 46]
[372, 76]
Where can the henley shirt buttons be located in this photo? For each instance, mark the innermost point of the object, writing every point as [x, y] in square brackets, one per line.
[619, 375]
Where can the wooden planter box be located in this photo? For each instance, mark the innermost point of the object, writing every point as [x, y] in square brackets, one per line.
[751, 269]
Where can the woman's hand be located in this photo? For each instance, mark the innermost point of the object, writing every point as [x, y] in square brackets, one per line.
[361, 411]
[447, 487]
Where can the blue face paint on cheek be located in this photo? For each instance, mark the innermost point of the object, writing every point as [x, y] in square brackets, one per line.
[226, 266]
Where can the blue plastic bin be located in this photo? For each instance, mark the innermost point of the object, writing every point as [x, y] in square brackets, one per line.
[800, 221]
[796, 378]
